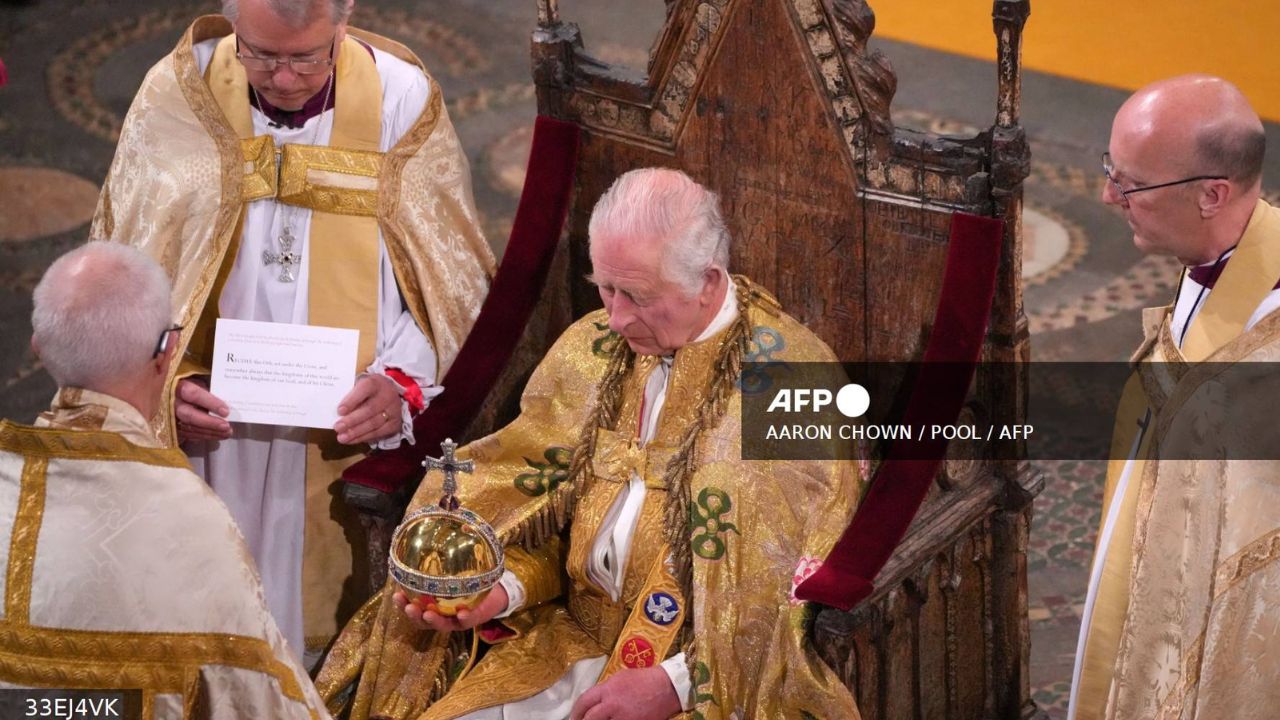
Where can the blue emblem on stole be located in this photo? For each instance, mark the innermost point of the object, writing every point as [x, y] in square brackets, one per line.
[661, 608]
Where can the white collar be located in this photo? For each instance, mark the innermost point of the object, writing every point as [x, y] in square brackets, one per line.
[728, 313]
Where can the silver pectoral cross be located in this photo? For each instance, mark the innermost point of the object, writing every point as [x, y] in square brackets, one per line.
[450, 466]
[287, 259]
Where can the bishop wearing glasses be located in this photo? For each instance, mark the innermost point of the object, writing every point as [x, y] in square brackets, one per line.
[1179, 620]
[283, 167]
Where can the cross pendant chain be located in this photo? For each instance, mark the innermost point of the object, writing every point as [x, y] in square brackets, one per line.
[287, 259]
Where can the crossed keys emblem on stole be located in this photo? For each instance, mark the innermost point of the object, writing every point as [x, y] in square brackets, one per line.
[636, 653]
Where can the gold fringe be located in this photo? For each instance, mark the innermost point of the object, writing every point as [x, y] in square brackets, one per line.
[550, 516]
[540, 523]
[679, 471]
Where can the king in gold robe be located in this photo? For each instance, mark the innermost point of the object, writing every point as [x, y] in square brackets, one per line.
[1180, 620]
[124, 571]
[708, 577]
[361, 217]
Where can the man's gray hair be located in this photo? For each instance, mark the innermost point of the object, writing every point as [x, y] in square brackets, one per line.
[98, 313]
[1235, 150]
[296, 13]
[667, 204]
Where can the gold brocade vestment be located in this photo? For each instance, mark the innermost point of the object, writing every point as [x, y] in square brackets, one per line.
[187, 167]
[124, 571]
[1184, 624]
[752, 525]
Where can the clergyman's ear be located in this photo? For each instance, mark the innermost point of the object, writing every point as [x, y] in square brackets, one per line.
[1214, 197]
[165, 358]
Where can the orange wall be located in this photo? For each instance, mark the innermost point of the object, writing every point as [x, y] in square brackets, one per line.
[1121, 43]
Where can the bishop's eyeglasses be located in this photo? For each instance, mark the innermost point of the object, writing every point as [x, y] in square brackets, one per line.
[299, 65]
[1109, 169]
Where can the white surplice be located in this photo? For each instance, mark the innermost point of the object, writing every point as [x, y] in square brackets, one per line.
[260, 473]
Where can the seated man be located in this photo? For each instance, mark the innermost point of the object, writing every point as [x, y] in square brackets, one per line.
[649, 568]
[123, 568]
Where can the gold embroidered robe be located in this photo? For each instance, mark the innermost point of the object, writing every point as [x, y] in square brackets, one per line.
[181, 175]
[753, 523]
[185, 170]
[124, 571]
[1184, 625]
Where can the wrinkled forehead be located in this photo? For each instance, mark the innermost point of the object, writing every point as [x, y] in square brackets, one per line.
[626, 251]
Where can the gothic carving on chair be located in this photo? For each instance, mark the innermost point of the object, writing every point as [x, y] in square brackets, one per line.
[780, 107]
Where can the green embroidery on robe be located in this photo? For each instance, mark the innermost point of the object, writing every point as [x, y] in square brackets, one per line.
[701, 676]
[757, 375]
[548, 474]
[604, 345]
[705, 516]
[765, 341]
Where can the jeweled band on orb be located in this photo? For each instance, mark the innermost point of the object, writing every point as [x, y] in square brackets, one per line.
[440, 585]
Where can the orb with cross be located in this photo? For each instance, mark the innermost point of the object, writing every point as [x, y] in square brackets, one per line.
[444, 556]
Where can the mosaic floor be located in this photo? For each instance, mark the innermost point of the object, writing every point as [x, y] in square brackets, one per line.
[74, 66]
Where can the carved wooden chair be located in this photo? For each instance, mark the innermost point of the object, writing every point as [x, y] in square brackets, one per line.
[779, 106]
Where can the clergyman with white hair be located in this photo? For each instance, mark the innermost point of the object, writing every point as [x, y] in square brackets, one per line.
[669, 590]
[124, 570]
[353, 211]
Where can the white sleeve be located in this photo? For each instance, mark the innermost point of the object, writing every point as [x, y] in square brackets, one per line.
[515, 593]
[403, 346]
[678, 671]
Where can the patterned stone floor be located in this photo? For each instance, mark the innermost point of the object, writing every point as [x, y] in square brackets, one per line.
[75, 64]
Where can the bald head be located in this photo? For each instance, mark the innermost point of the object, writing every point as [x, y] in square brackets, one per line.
[1185, 167]
[1201, 124]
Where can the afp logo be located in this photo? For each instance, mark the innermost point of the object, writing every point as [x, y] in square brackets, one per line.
[852, 400]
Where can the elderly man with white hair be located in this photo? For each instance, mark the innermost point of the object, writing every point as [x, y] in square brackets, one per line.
[123, 570]
[649, 568]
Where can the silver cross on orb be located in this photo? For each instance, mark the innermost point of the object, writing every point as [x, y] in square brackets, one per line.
[450, 466]
[287, 259]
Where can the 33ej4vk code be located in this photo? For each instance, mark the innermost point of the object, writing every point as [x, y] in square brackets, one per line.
[60, 704]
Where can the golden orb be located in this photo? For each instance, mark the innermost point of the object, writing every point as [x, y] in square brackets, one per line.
[446, 559]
